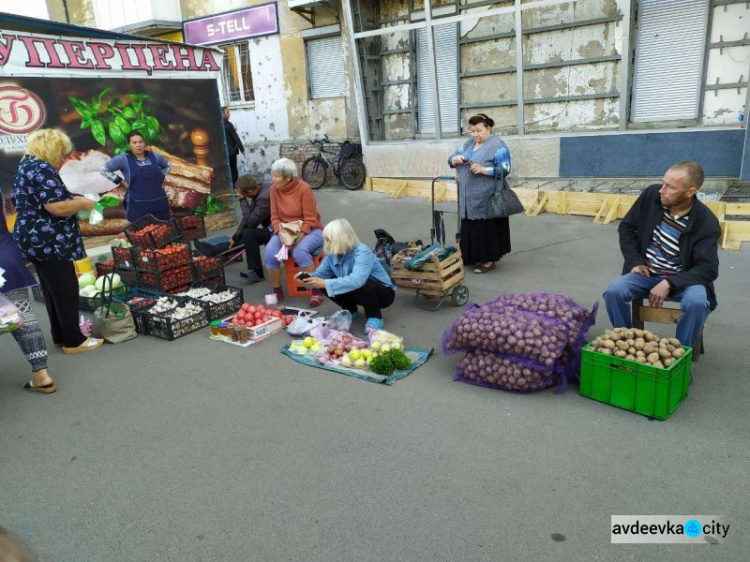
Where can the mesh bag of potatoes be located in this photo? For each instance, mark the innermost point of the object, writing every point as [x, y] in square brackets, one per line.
[640, 346]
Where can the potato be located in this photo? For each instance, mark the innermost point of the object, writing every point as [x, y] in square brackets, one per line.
[675, 342]
[630, 342]
[640, 359]
[669, 361]
[630, 357]
[663, 342]
[679, 352]
[650, 337]
[638, 333]
[622, 345]
[632, 351]
[658, 364]
[620, 353]
[649, 348]
[664, 353]
[606, 351]
[640, 353]
[609, 344]
[628, 334]
[653, 358]
[639, 343]
[671, 348]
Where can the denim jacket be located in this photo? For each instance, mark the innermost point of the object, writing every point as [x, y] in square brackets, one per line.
[348, 272]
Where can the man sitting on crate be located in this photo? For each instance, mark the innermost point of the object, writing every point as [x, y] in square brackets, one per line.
[669, 240]
[253, 230]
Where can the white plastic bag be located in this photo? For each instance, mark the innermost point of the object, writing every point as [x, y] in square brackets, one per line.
[302, 324]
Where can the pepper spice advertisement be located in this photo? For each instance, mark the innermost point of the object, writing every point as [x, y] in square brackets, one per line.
[98, 104]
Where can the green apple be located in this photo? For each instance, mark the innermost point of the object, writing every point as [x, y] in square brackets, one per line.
[355, 354]
[360, 363]
[345, 361]
[308, 341]
[375, 346]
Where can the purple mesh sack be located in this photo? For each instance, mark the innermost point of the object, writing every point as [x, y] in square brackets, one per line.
[509, 331]
[576, 317]
[506, 372]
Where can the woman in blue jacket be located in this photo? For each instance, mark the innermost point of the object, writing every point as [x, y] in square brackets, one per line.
[143, 174]
[351, 275]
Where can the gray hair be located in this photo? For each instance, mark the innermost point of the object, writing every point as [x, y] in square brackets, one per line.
[285, 167]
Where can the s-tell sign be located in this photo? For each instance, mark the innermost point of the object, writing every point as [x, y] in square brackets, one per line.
[233, 26]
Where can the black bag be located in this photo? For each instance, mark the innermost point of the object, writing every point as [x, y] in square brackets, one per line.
[504, 202]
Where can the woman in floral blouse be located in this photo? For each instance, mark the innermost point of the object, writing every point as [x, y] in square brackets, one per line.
[47, 233]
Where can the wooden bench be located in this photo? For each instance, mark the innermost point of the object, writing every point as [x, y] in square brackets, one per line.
[642, 312]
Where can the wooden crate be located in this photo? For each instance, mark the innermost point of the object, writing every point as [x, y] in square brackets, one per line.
[434, 276]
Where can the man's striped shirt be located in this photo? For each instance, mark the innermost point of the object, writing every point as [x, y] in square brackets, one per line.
[663, 252]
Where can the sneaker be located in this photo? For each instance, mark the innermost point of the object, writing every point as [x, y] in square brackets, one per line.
[373, 324]
[251, 277]
[90, 344]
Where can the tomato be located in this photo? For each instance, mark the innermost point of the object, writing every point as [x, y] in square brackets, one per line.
[276, 314]
[289, 319]
[250, 308]
[245, 307]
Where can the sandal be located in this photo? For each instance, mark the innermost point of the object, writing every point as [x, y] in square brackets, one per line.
[46, 389]
[89, 345]
[480, 269]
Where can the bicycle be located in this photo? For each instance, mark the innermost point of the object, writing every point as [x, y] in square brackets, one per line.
[349, 169]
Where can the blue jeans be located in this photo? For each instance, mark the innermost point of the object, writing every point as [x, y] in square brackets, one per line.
[693, 303]
[302, 251]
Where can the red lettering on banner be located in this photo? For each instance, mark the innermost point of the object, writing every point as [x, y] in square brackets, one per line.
[184, 60]
[208, 62]
[54, 59]
[76, 57]
[34, 60]
[159, 53]
[127, 63]
[6, 43]
[141, 56]
[102, 52]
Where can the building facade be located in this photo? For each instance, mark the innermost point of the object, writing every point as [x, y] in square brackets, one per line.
[606, 88]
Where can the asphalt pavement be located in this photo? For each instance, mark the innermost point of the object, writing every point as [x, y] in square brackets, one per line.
[200, 451]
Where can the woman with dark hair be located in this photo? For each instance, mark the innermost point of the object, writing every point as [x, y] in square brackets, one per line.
[143, 172]
[483, 161]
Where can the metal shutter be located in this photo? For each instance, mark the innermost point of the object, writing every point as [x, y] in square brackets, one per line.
[325, 61]
[669, 59]
[446, 60]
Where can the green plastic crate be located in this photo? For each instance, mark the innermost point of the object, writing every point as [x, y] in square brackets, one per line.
[640, 388]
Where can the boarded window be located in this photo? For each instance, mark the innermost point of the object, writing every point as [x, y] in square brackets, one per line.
[669, 59]
[325, 67]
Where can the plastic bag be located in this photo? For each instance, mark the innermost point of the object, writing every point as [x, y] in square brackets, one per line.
[10, 317]
[340, 320]
[283, 254]
[379, 338]
[504, 372]
[302, 324]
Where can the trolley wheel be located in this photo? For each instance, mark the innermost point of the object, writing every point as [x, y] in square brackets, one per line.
[460, 295]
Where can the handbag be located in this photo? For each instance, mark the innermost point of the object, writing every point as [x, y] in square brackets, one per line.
[113, 321]
[504, 202]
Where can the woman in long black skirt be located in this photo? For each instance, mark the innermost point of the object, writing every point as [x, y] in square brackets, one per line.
[481, 163]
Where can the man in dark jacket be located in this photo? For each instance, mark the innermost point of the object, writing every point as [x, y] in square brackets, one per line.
[253, 230]
[670, 243]
[234, 144]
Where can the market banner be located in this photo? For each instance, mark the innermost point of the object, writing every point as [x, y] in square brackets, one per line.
[180, 119]
[32, 54]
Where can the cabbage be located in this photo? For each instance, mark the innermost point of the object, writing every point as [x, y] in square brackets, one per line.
[116, 281]
[85, 280]
[88, 291]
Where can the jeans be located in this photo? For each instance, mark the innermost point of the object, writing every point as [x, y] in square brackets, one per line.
[253, 239]
[693, 303]
[302, 251]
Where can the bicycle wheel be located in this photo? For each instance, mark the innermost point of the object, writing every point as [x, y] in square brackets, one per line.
[314, 172]
[353, 173]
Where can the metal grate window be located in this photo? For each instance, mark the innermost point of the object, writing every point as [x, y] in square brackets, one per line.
[237, 79]
[669, 59]
[325, 67]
